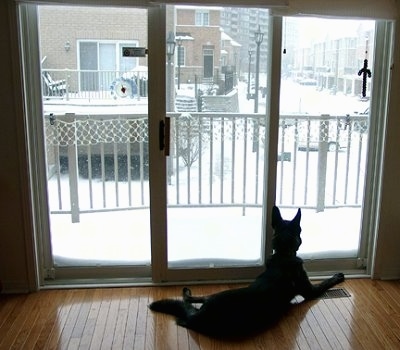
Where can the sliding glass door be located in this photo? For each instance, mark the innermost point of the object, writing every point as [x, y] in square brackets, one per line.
[327, 113]
[117, 204]
[217, 159]
[92, 127]
[157, 153]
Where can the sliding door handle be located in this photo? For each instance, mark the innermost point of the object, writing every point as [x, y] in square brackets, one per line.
[167, 132]
[164, 135]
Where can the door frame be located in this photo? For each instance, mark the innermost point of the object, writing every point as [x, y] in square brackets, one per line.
[159, 271]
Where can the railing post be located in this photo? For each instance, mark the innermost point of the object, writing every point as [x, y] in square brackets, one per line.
[73, 169]
[323, 147]
[67, 76]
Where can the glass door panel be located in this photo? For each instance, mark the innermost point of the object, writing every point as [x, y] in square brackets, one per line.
[95, 129]
[216, 166]
[323, 133]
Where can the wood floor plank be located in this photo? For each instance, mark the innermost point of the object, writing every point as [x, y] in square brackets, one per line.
[56, 323]
[82, 318]
[130, 329]
[19, 318]
[392, 296]
[141, 324]
[72, 318]
[290, 325]
[318, 332]
[333, 323]
[7, 306]
[111, 321]
[370, 296]
[25, 328]
[101, 320]
[359, 325]
[364, 313]
[89, 326]
[119, 318]
[39, 331]
[300, 312]
[351, 341]
[30, 336]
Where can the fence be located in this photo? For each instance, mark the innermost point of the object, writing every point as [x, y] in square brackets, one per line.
[100, 163]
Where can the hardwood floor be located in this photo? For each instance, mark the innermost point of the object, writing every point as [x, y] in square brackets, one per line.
[118, 318]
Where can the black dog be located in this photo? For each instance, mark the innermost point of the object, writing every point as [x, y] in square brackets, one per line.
[245, 311]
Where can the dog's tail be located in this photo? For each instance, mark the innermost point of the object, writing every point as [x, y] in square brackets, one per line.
[171, 307]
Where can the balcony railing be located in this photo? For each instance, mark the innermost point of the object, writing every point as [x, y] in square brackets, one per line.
[100, 162]
[93, 84]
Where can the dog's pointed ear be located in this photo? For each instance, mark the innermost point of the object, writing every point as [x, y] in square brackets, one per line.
[276, 216]
[297, 218]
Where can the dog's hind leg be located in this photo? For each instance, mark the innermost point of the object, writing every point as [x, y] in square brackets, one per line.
[312, 291]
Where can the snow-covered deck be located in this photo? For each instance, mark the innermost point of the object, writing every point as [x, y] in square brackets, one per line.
[123, 237]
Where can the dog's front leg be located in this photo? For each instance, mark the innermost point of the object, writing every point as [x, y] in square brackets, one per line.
[311, 291]
[188, 298]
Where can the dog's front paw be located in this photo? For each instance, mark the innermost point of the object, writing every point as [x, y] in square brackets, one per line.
[186, 292]
[339, 277]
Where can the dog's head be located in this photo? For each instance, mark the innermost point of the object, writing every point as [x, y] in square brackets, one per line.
[286, 239]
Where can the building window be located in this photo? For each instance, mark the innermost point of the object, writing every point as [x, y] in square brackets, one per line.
[202, 18]
[105, 57]
[180, 56]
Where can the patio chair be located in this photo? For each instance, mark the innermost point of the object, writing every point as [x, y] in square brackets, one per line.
[54, 87]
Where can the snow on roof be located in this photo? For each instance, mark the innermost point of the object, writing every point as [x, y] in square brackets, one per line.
[226, 37]
[193, 7]
[184, 37]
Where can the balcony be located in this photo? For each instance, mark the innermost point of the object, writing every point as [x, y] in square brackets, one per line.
[99, 164]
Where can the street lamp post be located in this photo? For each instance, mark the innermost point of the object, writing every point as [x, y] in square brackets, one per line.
[178, 57]
[170, 52]
[258, 38]
[248, 79]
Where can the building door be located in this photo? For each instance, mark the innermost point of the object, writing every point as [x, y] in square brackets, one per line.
[108, 64]
[208, 63]
[88, 59]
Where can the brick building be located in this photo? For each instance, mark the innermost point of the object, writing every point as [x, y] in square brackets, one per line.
[80, 41]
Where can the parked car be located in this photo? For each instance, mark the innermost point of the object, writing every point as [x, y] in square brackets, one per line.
[308, 82]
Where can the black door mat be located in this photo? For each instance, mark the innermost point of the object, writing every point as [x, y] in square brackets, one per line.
[335, 293]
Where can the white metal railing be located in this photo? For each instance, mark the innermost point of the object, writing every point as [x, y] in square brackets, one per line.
[100, 162]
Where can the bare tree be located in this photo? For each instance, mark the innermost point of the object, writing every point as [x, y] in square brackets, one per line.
[190, 132]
